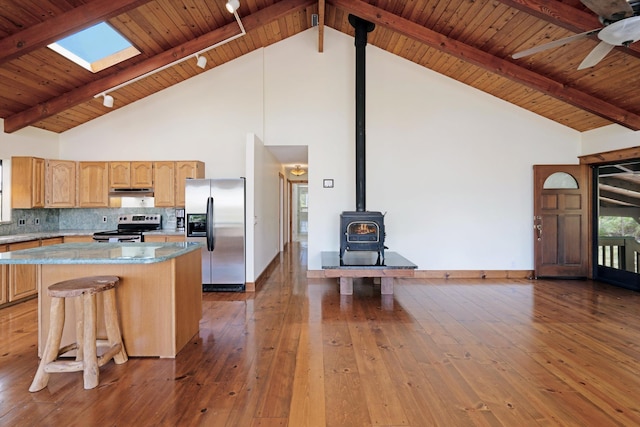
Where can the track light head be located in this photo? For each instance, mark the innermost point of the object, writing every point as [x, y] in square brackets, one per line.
[233, 5]
[202, 61]
[107, 101]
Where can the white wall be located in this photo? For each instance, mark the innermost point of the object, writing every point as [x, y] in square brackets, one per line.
[451, 166]
[608, 138]
[263, 218]
[205, 118]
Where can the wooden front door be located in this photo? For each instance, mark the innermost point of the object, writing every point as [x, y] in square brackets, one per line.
[561, 220]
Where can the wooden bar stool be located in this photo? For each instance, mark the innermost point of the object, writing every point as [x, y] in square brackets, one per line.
[85, 288]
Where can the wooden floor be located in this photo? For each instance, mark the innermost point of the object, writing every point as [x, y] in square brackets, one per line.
[296, 353]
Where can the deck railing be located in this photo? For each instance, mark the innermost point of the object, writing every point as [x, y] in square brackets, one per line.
[621, 252]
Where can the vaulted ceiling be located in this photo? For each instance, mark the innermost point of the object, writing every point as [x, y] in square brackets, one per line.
[468, 40]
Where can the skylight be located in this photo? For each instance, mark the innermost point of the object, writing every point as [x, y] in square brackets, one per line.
[96, 48]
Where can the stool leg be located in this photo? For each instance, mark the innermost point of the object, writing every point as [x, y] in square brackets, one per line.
[111, 323]
[91, 371]
[52, 346]
[79, 309]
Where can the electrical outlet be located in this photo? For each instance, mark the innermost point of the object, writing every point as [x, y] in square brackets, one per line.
[36, 221]
[22, 222]
[104, 219]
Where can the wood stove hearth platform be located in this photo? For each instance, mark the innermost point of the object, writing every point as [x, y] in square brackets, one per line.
[359, 264]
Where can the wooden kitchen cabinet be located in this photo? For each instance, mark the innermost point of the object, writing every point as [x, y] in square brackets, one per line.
[4, 280]
[141, 174]
[51, 241]
[78, 239]
[93, 184]
[164, 178]
[22, 277]
[20, 281]
[184, 171]
[131, 174]
[155, 238]
[27, 182]
[60, 184]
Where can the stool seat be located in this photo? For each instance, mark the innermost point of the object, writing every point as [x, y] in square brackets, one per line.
[76, 287]
[84, 291]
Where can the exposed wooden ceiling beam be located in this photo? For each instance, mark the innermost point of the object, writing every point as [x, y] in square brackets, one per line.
[87, 92]
[63, 25]
[620, 183]
[621, 198]
[490, 62]
[557, 13]
[321, 26]
[565, 16]
[624, 154]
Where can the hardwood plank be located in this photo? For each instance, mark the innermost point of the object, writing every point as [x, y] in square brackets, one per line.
[439, 352]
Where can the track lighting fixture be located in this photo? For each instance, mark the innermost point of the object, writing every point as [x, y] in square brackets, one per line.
[233, 5]
[202, 61]
[107, 101]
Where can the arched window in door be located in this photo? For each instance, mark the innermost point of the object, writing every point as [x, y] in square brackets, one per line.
[560, 180]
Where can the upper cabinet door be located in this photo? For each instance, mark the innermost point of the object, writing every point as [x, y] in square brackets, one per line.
[27, 182]
[93, 184]
[164, 184]
[142, 174]
[186, 170]
[131, 174]
[119, 174]
[60, 184]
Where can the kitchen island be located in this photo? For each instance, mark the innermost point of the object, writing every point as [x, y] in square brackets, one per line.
[159, 296]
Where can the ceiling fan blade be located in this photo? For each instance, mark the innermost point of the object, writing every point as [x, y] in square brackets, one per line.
[612, 10]
[621, 33]
[596, 55]
[551, 45]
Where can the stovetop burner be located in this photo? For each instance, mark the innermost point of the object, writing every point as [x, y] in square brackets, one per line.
[130, 228]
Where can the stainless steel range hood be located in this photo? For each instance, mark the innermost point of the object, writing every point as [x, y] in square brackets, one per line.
[131, 192]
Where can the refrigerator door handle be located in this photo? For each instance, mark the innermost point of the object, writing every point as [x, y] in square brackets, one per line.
[211, 237]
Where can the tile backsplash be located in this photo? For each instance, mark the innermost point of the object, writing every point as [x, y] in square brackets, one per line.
[45, 220]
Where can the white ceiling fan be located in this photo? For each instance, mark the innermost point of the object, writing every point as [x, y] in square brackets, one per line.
[621, 28]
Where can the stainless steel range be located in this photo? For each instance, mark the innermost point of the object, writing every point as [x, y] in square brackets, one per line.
[130, 228]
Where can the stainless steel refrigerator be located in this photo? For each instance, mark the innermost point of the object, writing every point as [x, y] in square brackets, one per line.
[215, 216]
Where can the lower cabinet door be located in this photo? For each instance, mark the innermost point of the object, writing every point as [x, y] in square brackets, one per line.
[4, 280]
[23, 281]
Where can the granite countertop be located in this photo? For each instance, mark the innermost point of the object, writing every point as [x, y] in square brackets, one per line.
[26, 237]
[365, 259]
[100, 253]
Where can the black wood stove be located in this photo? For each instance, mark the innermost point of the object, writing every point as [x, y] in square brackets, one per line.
[361, 230]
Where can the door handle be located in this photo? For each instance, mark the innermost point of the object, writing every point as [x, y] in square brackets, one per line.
[538, 226]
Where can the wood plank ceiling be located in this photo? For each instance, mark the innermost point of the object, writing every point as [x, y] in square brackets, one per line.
[468, 40]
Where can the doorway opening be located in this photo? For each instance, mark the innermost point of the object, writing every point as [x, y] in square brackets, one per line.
[617, 228]
[299, 211]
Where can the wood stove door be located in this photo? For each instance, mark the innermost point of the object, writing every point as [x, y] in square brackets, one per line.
[561, 220]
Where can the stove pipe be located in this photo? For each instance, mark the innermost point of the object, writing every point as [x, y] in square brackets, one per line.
[361, 27]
